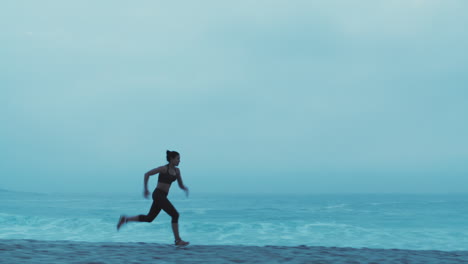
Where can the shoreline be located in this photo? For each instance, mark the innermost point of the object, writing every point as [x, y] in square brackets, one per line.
[38, 251]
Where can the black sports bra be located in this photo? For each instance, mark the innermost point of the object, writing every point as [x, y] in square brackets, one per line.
[166, 177]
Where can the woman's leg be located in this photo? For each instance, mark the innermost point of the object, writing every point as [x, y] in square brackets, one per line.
[153, 212]
[167, 206]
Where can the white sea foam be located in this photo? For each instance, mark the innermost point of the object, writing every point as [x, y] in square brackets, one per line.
[378, 223]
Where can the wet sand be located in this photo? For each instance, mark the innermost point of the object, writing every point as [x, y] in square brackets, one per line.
[36, 251]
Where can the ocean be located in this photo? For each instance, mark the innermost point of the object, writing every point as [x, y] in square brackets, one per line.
[243, 223]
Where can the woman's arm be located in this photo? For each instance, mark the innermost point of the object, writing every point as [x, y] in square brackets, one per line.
[181, 183]
[147, 175]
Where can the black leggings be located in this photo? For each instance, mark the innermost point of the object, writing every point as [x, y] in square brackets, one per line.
[160, 201]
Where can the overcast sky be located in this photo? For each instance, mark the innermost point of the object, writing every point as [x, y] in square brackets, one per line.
[258, 96]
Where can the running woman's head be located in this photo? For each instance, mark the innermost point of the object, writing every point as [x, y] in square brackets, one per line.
[173, 157]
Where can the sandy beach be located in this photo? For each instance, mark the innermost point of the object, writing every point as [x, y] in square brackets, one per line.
[36, 251]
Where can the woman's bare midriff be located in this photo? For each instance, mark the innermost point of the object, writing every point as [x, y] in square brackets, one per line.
[163, 186]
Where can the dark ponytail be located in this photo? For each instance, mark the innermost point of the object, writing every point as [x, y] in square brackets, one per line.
[171, 154]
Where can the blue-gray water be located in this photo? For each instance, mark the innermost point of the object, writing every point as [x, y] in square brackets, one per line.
[393, 221]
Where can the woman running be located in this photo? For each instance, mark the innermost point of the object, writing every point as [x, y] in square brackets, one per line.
[167, 175]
